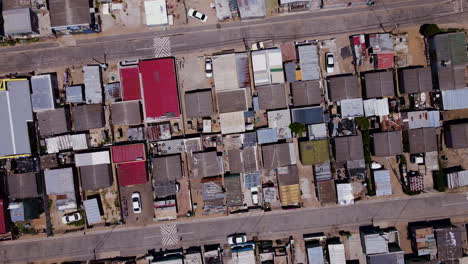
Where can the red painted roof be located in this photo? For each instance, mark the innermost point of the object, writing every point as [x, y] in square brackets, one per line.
[132, 173]
[130, 80]
[385, 60]
[127, 153]
[159, 89]
[2, 218]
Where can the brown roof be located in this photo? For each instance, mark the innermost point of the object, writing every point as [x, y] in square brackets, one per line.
[205, 164]
[22, 186]
[288, 51]
[343, 87]
[69, 12]
[326, 191]
[231, 101]
[53, 122]
[416, 80]
[422, 140]
[306, 93]
[199, 104]
[272, 97]
[379, 84]
[126, 113]
[452, 77]
[242, 160]
[456, 136]
[288, 175]
[276, 155]
[86, 117]
[348, 148]
[388, 144]
[166, 171]
[96, 177]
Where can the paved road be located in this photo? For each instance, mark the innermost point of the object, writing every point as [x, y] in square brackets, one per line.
[386, 14]
[137, 240]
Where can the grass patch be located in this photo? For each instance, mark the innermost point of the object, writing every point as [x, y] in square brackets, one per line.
[363, 123]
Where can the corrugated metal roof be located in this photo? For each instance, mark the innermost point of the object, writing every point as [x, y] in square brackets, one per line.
[15, 112]
[222, 9]
[128, 153]
[267, 66]
[343, 87]
[251, 8]
[95, 177]
[252, 180]
[314, 152]
[243, 69]
[234, 195]
[42, 96]
[232, 101]
[267, 135]
[290, 71]
[232, 122]
[376, 107]
[450, 47]
[322, 171]
[93, 84]
[455, 99]
[416, 80]
[457, 179]
[421, 119]
[345, 193]
[59, 181]
[308, 59]
[132, 173]
[65, 13]
[17, 21]
[336, 253]
[74, 94]
[53, 122]
[126, 113]
[75, 142]
[318, 131]
[422, 140]
[112, 91]
[288, 51]
[456, 136]
[308, 115]
[278, 155]
[348, 148]
[326, 191]
[93, 214]
[93, 158]
[375, 244]
[16, 211]
[290, 195]
[130, 78]
[352, 107]
[22, 185]
[382, 42]
[379, 84]
[306, 93]
[383, 185]
[388, 144]
[86, 117]
[199, 104]
[272, 97]
[315, 255]
[225, 78]
[205, 164]
[3, 229]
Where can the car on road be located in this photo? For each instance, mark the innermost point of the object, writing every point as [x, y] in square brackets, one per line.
[136, 202]
[208, 68]
[71, 218]
[330, 61]
[235, 239]
[197, 15]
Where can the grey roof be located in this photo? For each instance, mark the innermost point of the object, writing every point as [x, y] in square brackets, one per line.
[343, 87]
[267, 135]
[15, 112]
[306, 93]
[315, 255]
[12, 4]
[95, 177]
[387, 258]
[53, 122]
[382, 42]
[59, 181]
[455, 99]
[42, 96]
[234, 195]
[18, 21]
[205, 164]
[126, 113]
[456, 136]
[242, 160]
[86, 117]
[379, 84]
[69, 12]
[252, 179]
[231, 101]
[75, 94]
[416, 80]
[277, 155]
[348, 148]
[308, 59]
[222, 9]
[93, 214]
[374, 243]
[199, 104]
[272, 97]
[452, 77]
[449, 243]
[290, 71]
[307, 115]
[93, 84]
[450, 47]
[352, 107]
[288, 175]
[422, 140]
[383, 185]
[22, 186]
[251, 8]
[166, 171]
[388, 144]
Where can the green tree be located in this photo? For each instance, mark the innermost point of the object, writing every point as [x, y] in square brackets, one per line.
[429, 30]
[297, 128]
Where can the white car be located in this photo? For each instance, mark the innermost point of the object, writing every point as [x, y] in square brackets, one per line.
[70, 218]
[236, 239]
[197, 15]
[330, 60]
[208, 68]
[254, 192]
[136, 202]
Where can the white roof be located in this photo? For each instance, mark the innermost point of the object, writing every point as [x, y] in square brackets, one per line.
[267, 66]
[279, 118]
[419, 119]
[232, 122]
[59, 181]
[337, 254]
[65, 142]
[352, 107]
[92, 211]
[93, 158]
[93, 84]
[376, 107]
[457, 179]
[345, 193]
[455, 99]
[318, 131]
[156, 12]
[225, 72]
[383, 185]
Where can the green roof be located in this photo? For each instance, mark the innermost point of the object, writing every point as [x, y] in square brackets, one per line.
[451, 47]
[314, 152]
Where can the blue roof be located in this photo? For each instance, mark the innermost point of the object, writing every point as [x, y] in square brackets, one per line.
[267, 135]
[308, 115]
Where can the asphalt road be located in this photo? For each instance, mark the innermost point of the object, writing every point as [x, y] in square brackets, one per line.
[137, 240]
[385, 14]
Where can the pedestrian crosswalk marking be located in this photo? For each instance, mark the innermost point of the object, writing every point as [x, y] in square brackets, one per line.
[169, 235]
[162, 47]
